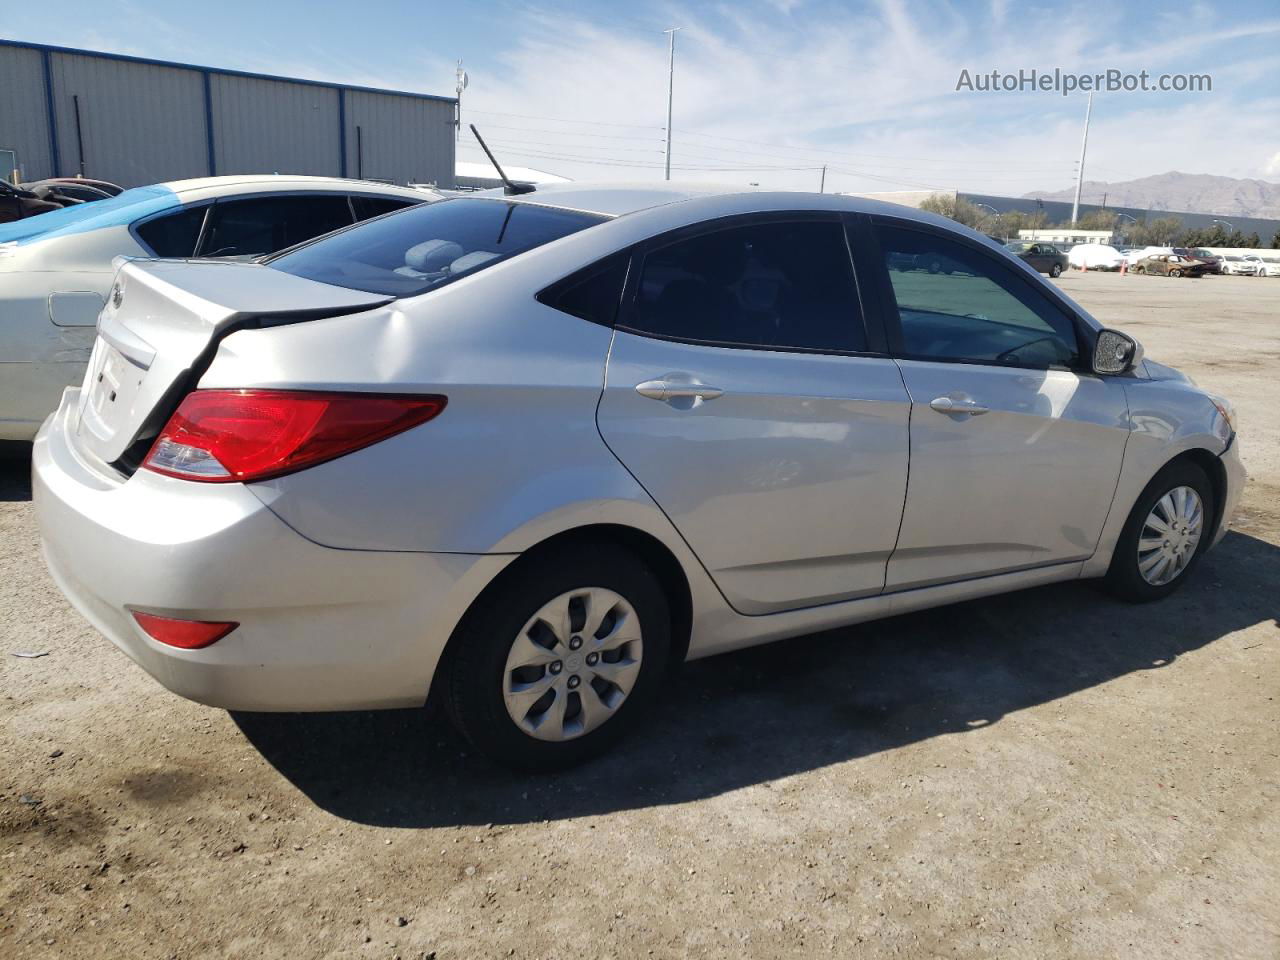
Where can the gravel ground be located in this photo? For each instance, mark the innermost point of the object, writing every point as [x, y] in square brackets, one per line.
[1049, 774]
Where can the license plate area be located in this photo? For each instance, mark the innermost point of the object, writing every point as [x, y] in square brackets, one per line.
[111, 387]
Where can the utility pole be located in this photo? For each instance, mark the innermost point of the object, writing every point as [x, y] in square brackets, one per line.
[462, 81]
[671, 80]
[1075, 207]
[822, 187]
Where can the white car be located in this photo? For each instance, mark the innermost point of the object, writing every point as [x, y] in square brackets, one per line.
[1262, 266]
[1095, 256]
[56, 268]
[1239, 266]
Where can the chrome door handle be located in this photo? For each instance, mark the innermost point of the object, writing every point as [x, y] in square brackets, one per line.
[949, 405]
[667, 390]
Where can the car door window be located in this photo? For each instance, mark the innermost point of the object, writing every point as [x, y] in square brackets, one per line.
[259, 225]
[174, 234]
[772, 284]
[592, 293]
[367, 207]
[957, 303]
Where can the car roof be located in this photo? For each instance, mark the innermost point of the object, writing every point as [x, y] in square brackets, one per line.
[204, 188]
[621, 199]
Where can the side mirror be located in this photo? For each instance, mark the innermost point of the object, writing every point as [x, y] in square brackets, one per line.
[1115, 352]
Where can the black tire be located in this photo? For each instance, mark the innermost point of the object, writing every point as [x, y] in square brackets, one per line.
[1175, 272]
[473, 688]
[1124, 579]
[1055, 271]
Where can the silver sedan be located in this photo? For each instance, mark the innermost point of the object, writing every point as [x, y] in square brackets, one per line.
[522, 453]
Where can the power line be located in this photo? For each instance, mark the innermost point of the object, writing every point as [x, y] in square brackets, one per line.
[626, 162]
[873, 156]
[597, 123]
[572, 133]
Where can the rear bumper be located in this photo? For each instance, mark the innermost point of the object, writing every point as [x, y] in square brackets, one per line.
[320, 629]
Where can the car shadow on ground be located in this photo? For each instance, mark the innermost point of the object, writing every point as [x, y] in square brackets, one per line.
[15, 471]
[761, 714]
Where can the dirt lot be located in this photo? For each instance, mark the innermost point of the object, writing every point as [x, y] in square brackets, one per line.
[1043, 775]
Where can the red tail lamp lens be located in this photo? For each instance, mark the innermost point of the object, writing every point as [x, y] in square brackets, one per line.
[187, 634]
[238, 436]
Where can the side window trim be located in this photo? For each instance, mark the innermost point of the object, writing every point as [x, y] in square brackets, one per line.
[403, 203]
[893, 321]
[864, 248]
[133, 227]
[626, 319]
[549, 294]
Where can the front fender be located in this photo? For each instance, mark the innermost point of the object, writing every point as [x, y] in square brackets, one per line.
[1167, 419]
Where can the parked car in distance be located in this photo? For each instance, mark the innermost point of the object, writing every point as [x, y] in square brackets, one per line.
[1233, 264]
[1170, 265]
[106, 186]
[527, 451]
[67, 192]
[1212, 259]
[1095, 256]
[1134, 254]
[56, 269]
[1041, 257]
[18, 204]
[1263, 266]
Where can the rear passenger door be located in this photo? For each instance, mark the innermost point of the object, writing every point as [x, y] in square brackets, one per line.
[746, 393]
[253, 226]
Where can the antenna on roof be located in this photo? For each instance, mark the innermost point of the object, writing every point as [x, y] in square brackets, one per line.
[511, 188]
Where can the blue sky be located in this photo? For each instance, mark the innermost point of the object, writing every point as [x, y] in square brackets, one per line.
[766, 91]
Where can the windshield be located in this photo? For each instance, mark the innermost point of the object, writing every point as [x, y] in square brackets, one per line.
[115, 211]
[410, 252]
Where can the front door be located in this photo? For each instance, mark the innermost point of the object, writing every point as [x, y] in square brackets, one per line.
[742, 394]
[1015, 451]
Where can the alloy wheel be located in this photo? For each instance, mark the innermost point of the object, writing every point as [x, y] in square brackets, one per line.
[1170, 536]
[573, 664]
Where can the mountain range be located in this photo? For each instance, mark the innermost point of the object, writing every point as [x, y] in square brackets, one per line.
[1185, 192]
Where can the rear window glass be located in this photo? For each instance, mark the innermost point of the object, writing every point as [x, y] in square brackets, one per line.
[430, 245]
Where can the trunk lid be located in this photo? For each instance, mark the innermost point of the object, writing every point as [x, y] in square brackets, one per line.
[159, 328]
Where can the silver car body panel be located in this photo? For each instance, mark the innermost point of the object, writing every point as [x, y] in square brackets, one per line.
[797, 442]
[779, 500]
[1026, 484]
[1168, 417]
[319, 628]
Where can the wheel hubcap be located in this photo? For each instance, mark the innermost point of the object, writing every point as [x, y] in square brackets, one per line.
[1170, 536]
[572, 665]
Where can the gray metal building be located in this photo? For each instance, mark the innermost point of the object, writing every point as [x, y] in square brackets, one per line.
[135, 121]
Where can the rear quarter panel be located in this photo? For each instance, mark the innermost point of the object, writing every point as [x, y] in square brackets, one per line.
[516, 455]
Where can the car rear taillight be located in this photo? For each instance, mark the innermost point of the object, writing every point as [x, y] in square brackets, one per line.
[238, 436]
[185, 634]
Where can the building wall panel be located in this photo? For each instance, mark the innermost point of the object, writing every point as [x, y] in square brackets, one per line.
[400, 138]
[270, 126]
[145, 121]
[141, 123]
[24, 118]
